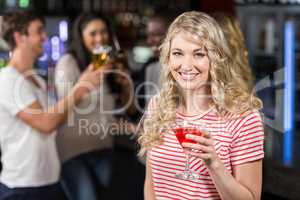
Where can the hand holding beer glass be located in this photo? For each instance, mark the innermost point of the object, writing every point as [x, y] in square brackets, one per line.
[101, 56]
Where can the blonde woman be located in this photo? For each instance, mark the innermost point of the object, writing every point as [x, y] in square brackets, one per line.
[201, 85]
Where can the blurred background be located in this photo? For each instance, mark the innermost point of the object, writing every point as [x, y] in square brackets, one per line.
[272, 33]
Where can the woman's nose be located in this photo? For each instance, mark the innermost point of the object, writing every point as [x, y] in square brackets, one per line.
[187, 63]
[99, 39]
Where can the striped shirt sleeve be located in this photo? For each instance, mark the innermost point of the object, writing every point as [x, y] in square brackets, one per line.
[248, 142]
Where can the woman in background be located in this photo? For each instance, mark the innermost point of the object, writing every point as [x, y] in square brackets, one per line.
[85, 147]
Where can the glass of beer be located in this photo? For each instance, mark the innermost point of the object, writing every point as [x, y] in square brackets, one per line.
[100, 55]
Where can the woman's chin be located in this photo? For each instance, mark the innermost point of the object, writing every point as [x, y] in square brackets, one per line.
[192, 86]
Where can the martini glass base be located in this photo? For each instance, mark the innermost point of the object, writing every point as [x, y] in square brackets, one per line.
[186, 175]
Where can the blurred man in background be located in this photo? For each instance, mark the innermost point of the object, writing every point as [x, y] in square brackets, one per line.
[31, 168]
[147, 79]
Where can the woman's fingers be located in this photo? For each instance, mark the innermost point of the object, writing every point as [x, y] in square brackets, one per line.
[200, 139]
[205, 133]
[99, 73]
[199, 147]
[90, 68]
[203, 156]
[108, 66]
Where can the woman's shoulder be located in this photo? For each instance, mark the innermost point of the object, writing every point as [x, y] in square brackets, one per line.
[67, 56]
[67, 69]
[252, 113]
[67, 60]
[250, 118]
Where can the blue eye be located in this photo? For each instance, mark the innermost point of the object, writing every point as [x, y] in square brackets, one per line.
[176, 53]
[200, 55]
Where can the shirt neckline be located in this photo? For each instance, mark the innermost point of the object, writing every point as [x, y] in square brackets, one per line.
[196, 116]
[36, 78]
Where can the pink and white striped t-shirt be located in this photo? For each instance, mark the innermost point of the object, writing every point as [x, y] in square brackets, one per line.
[237, 140]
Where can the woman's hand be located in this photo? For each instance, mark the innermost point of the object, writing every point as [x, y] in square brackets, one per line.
[204, 149]
[90, 79]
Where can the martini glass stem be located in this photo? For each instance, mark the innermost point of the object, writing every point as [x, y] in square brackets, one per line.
[187, 163]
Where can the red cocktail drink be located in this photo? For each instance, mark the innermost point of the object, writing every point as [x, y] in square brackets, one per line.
[182, 132]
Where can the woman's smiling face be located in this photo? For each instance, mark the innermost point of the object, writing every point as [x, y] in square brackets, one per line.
[95, 33]
[189, 63]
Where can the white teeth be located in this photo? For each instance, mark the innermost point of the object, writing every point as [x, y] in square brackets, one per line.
[187, 76]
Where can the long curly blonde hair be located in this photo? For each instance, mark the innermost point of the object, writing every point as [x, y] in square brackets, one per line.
[228, 88]
[236, 41]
